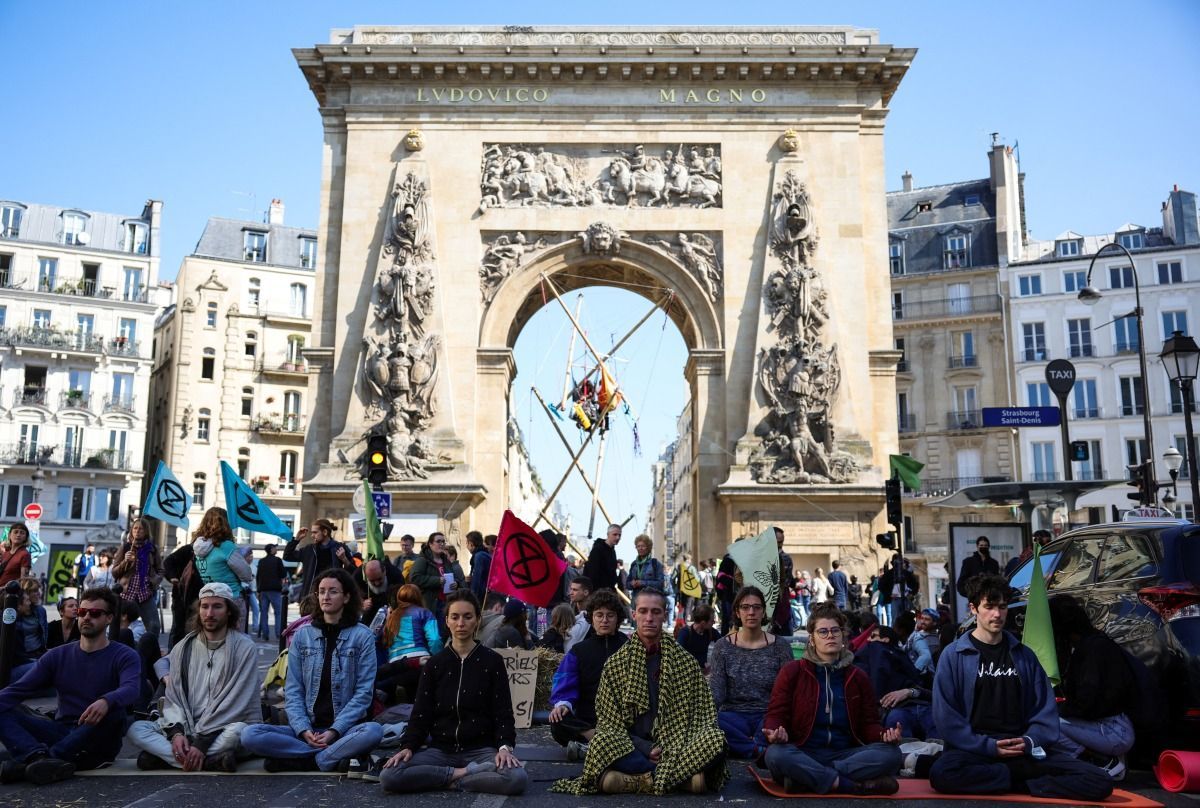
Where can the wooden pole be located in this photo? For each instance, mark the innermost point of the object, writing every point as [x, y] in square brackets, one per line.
[566, 444]
[599, 469]
[570, 353]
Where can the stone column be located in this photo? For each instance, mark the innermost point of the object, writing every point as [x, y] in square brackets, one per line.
[494, 372]
[705, 373]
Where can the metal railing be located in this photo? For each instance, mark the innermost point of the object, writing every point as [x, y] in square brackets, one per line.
[1044, 477]
[1081, 351]
[123, 346]
[969, 361]
[29, 396]
[125, 404]
[902, 366]
[945, 486]
[1090, 474]
[287, 424]
[948, 307]
[29, 454]
[907, 422]
[50, 339]
[964, 419]
[281, 364]
[1033, 354]
[77, 399]
[1085, 413]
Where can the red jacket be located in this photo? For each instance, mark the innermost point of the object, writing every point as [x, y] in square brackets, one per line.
[794, 703]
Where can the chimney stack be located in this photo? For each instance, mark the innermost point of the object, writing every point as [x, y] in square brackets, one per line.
[907, 179]
[275, 212]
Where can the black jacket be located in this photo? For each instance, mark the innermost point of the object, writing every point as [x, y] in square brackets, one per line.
[601, 566]
[307, 556]
[1097, 682]
[592, 652]
[271, 574]
[974, 565]
[462, 703]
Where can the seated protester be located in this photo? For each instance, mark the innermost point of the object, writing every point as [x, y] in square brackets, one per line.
[211, 699]
[1099, 687]
[65, 629]
[562, 619]
[96, 681]
[132, 627]
[493, 616]
[30, 631]
[994, 708]
[696, 638]
[463, 706]
[513, 631]
[922, 645]
[308, 607]
[823, 720]
[906, 699]
[375, 580]
[410, 637]
[578, 592]
[573, 689]
[656, 725]
[743, 667]
[330, 684]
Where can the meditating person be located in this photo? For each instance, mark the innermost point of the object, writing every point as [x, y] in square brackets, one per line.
[656, 727]
[698, 638]
[65, 629]
[994, 708]
[743, 666]
[410, 637]
[823, 719]
[573, 688]
[464, 708]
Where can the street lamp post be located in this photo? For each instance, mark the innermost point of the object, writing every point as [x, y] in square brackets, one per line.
[39, 482]
[1181, 356]
[1090, 295]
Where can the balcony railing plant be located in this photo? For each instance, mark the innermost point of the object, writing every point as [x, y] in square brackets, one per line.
[282, 364]
[50, 338]
[126, 404]
[123, 346]
[30, 396]
[75, 399]
[967, 361]
[289, 424]
[948, 307]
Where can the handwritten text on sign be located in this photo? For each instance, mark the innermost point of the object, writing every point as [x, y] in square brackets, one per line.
[522, 667]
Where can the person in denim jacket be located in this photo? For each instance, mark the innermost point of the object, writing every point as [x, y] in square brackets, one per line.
[330, 685]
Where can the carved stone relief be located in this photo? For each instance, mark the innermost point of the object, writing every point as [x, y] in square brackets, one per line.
[518, 175]
[800, 374]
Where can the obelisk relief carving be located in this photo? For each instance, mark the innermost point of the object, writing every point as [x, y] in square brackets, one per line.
[799, 374]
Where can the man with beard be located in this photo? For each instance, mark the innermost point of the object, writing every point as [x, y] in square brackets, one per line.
[378, 578]
[978, 563]
[212, 696]
[96, 680]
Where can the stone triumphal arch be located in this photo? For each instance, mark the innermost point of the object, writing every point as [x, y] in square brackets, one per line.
[734, 176]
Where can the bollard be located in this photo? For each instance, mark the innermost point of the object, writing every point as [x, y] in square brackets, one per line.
[8, 629]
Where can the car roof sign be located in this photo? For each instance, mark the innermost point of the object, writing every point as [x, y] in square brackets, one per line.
[1150, 513]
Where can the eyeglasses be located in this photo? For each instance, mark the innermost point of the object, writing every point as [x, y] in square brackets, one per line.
[82, 612]
[828, 632]
[750, 607]
[439, 541]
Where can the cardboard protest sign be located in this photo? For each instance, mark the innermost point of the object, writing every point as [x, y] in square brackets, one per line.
[522, 667]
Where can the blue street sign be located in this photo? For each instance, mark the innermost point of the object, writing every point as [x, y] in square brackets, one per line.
[383, 504]
[1021, 416]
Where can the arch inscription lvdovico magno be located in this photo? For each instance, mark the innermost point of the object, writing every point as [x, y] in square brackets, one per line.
[735, 173]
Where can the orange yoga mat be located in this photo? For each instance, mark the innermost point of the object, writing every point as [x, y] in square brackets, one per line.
[920, 790]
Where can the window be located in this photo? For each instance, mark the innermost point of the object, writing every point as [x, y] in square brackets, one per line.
[901, 366]
[964, 347]
[47, 274]
[114, 505]
[1177, 398]
[1125, 334]
[247, 401]
[135, 237]
[1120, 278]
[1079, 337]
[1093, 467]
[902, 410]
[127, 330]
[1028, 285]
[198, 491]
[308, 252]
[295, 344]
[6, 277]
[299, 300]
[1037, 394]
[1131, 241]
[210, 316]
[73, 445]
[85, 324]
[1125, 556]
[287, 472]
[81, 503]
[896, 257]
[966, 400]
[80, 380]
[253, 293]
[27, 449]
[243, 463]
[208, 364]
[1182, 447]
[1068, 249]
[1133, 395]
[1174, 321]
[3, 316]
[924, 207]
[1086, 405]
[251, 348]
[971, 199]
[118, 442]
[41, 318]
[1185, 510]
[133, 288]
[10, 221]
[1033, 337]
[122, 389]
[74, 225]
[1170, 272]
[14, 498]
[959, 295]
[1044, 454]
[255, 248]
[1076, 565]
[1135, 451]
[203, 424]
[1074, 280]
[956, 254]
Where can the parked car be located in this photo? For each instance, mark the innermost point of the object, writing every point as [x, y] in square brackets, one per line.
[1139, 581]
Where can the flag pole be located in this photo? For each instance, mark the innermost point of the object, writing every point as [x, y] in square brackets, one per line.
[566, 444]
[570, 353]
[599, 469]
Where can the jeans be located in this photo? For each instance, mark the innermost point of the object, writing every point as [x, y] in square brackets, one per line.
[268, 740]
[266, 602]
[1112, 736]
[743, 733]
[88, 746]
[148, 611]
[147, 736]
[726, 609]
[817, 769]
[915, 720]
[430, 769]
[251, 600]
[635, 762]
[1057, 775]
[881, 614]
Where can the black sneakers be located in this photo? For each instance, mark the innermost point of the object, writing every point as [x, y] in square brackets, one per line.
[877, 786]
[147, 762]
[308, 763]
[221, 762]
[48, 770]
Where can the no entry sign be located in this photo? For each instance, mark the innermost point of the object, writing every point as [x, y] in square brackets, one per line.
[32, 511]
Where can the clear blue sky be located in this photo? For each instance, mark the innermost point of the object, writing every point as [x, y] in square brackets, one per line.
[201, 105]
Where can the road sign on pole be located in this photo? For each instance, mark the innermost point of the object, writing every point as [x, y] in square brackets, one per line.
[32, 511]
[383, 504]
[1060, 376]
[1021, 416]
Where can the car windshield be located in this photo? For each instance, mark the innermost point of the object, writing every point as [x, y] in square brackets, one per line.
[1020, 578]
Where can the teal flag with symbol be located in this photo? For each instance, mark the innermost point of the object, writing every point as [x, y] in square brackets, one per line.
[167, 500]
[758, 559]
[246, 510]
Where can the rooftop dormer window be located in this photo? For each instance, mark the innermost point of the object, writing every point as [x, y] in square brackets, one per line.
[924, 207]
[10, 221]
[74, 228]
[255, 247]
[957, 251]
[1067, 249]
[971, 199]
[1132, 240]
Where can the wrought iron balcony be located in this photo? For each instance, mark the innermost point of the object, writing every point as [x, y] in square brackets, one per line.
[964, 419]
[902, 366]
[30, 396]
[75, 399]
[107, 459]
[967, 361]
[1081, 351]
[26, 454]
[1035, 354]
[282, 365]
[126, 404]
[291, 424]
[948, 307]
[52, 340]
[1093, 474]
[945, 486]
[908, 422]
[123, 346]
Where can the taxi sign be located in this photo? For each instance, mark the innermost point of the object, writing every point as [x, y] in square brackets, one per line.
[1146, 512]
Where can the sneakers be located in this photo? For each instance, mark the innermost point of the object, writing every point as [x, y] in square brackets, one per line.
[12, 771]
[1115, 766]
[308, 763]
[221, 762]
[147, 762]
[374, 773]
[48, 770]
[355, 767]
[877, 787]
[576, 750]
[614, 782]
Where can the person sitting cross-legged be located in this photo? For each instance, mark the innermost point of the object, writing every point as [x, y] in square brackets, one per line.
[656, 727]
[823, 719]
[330, 684]
[211, 697]
[994, 707]
[463, 706]
[96, 680]
[573, 689]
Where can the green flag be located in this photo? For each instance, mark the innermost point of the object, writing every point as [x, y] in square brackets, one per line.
[907, 469]
[758, 559]
[374, 531]
[1038, 634]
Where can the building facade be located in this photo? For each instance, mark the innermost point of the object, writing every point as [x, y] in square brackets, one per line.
[1049, 321]
[76, 319]
[660, 519]
[230, 378]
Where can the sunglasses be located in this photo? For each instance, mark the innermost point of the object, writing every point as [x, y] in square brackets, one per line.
[82, 612]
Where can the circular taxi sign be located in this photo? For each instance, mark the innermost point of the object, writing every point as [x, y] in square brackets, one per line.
[32, 511]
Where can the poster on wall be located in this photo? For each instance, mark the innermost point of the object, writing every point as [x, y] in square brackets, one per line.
[61, 571]
[1006, 540]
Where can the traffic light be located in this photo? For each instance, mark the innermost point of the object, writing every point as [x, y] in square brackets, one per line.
[886, 540]
[377, 453]
[895, 515]
[1141, 477]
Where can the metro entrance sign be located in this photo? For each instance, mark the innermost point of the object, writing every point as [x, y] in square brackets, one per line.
[1021, 416]
[33, 511]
